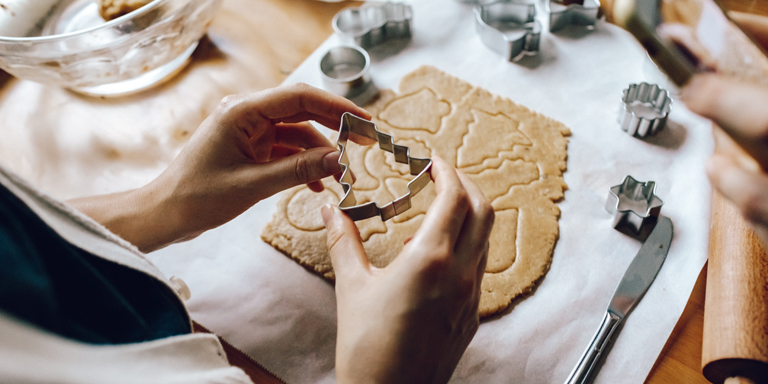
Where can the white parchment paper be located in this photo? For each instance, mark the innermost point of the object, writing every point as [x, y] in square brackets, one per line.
[284, 316]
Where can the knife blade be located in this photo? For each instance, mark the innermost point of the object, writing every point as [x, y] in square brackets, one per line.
[636, 281]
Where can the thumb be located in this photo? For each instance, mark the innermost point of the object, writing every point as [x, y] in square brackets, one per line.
[742, 184]
[344, 243]
[300, 168]
[737, 107]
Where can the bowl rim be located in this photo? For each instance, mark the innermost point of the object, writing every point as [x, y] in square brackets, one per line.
[146, 8]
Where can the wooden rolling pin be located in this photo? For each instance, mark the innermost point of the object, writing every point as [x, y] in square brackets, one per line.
[735, 339]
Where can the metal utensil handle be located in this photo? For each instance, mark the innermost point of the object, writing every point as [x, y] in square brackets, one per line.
[589, 359]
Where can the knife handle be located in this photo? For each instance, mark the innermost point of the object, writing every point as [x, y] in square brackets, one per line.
[589, 359]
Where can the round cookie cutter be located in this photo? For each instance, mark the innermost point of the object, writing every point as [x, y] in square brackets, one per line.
[345, 72]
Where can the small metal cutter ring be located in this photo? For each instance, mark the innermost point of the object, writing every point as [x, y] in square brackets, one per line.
[509, 28]
[645, 109]
[374, 23]
[633, 203]
[344, 72]
[418, 167]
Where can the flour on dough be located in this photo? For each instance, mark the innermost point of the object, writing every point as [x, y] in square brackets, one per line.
[516, 156]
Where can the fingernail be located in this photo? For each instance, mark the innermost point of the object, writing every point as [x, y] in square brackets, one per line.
[327, 213]
[331, 163]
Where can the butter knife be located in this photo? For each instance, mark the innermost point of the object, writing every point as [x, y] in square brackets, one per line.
[638, 277]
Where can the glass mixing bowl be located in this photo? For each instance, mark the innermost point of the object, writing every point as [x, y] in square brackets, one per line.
[67, 43]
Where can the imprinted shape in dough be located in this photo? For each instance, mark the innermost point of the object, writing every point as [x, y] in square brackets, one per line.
[408, 112]
[513, 154]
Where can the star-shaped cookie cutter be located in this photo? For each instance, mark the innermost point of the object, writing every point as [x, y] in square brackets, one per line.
[563, 13]
[645, 108]
[374, 23]
[509, 28]
[634, 204]
[351, 124]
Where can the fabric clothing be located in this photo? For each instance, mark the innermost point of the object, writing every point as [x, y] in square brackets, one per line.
[56, 286]
[31, 353]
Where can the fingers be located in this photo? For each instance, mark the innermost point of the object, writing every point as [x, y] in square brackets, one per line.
[344, 243]
[300, 168]
[737, 107]
[754, 25]
[279, 152]
[473, 240]
[301, 135]
[746, 188]
[316, 186]
[290, 104]
[445, 218]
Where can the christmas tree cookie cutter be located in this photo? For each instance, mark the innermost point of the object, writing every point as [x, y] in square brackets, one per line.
[351, 124]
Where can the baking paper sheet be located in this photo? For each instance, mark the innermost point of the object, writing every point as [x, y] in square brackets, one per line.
[284, 316]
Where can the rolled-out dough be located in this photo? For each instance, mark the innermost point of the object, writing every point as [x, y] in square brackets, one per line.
[513, 154]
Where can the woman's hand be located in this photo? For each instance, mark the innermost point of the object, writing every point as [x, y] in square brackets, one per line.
[411, 321]
[250, 148]
[740, 110]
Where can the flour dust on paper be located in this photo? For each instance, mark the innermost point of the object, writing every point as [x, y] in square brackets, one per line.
[513, 154]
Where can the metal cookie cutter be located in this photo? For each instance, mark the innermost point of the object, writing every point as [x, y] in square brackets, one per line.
[345, 72]
[633, 203]
[563, 13]
[418, 167]
[374, 23]
[645, 109]
[509, 28]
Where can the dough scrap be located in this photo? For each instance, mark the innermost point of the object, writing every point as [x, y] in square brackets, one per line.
[519, 168]
[112, 9]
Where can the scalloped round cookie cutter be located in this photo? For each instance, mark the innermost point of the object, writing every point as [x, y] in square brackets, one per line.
[345, 72]
[645, 108]
[509, 28]
[374, 23]
[419, 167]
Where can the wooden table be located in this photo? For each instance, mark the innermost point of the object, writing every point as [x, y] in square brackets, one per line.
[288, 31]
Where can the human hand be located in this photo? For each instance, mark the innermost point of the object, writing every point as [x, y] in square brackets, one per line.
[250, 148]
[411, 321]
[739, 109]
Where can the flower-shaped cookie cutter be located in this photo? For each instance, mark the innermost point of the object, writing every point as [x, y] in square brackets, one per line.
[374, 23]
[562, 13]
[509, 28]
[645, 108]
[351, 124]
[634, 204]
